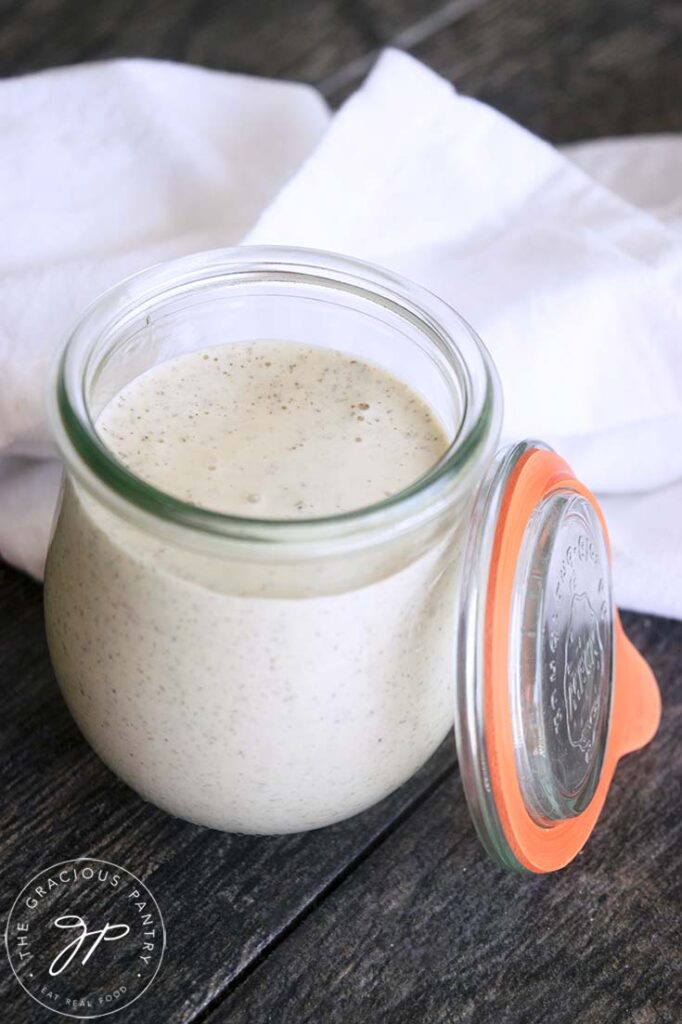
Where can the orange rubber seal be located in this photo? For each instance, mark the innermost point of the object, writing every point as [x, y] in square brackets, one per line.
[636, 703]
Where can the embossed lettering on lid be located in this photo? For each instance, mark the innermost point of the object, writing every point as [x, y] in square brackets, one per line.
[550, 693]
[561, 656]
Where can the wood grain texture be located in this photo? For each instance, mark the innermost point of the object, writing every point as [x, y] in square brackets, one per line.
[300, 39]
[427, 929]
[225, 899]
[569, 71]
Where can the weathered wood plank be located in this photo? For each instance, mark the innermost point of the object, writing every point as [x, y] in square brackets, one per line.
[566, 71]
[426, 929]
[225, 899]
[301, 39]
[569, 71]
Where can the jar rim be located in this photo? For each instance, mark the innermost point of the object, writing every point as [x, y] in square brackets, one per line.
[96, 466]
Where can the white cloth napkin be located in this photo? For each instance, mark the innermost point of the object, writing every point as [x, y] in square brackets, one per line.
[570, 266]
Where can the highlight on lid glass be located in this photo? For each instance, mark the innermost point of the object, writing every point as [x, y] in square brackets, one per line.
[288, 558]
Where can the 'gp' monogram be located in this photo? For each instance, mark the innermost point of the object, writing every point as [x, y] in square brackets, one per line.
[109, 933]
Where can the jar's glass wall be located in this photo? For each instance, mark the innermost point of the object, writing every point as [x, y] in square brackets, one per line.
[298, 309]
[262, 677]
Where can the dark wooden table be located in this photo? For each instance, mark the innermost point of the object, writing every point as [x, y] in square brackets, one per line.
[395, 916]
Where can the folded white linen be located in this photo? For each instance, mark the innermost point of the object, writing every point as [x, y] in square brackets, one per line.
[569, 266]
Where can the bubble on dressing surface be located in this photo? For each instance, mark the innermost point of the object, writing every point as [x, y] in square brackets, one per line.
[273, 429]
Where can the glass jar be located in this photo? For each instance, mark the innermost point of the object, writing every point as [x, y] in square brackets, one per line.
[253, 675]
[277, 675]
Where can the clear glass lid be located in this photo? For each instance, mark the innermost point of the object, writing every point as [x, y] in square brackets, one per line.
[561, 656]
[536, 663]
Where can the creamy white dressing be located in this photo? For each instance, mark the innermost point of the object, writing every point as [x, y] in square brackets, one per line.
[273, 430]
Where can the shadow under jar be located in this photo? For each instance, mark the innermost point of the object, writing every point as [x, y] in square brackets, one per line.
[262, 675]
